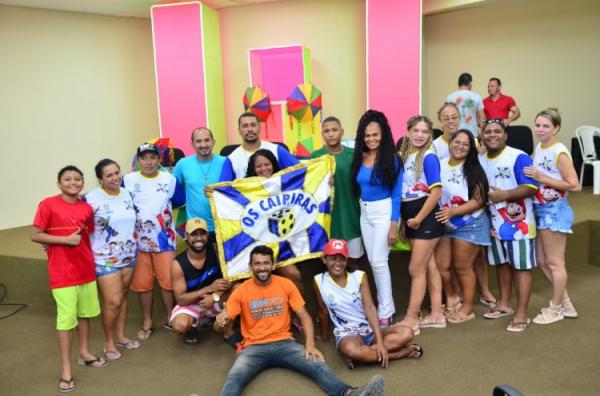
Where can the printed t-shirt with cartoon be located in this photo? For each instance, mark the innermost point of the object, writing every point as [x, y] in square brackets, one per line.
[67, 265]
[240, 157]
[113, 240]
[265, 310]
[195, 174]
[510, 220]
[152, 197]
[345, 223]
[546, 161]
[344, 304]
[429, 177]
[455, 192]
[468, 103]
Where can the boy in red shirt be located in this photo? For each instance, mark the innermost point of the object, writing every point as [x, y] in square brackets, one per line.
[63, 223]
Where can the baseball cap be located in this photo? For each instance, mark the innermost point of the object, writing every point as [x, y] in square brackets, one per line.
[195, 224]
[336, 246]
[147, 147]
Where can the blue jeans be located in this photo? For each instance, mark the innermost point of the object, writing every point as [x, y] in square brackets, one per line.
[286, 354]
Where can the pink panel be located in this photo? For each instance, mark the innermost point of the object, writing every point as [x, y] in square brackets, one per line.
[394, 60]
[281, 69]
[179, 71]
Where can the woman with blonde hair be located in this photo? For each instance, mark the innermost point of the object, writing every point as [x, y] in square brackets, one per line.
[553, 169]
[421, 191]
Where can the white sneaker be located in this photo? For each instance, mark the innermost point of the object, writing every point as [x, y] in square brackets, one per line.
[568, 309]
[551, 314]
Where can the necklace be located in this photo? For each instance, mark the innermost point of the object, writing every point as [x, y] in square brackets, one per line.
[208, 170]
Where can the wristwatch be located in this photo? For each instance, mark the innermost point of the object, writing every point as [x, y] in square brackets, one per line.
[216, 297]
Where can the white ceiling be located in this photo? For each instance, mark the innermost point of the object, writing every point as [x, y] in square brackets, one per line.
[122, 8]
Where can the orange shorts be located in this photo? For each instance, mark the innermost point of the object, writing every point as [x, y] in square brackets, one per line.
[150, 265]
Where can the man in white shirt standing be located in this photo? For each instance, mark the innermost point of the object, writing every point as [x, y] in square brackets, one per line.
[469, 105]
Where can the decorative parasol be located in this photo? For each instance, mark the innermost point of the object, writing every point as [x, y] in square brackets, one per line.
[303, 104]
[257, 101]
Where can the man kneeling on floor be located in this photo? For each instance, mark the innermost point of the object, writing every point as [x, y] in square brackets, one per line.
[264, 303]
[346, 298]
[198, 286]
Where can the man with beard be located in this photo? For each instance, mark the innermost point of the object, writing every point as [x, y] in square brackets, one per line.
[498, 105]
[249, 129]
[513, 223]
[197, 171]
[198, 286]
[264, 303]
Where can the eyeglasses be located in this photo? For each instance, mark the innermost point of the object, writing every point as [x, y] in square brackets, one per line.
[453, 118]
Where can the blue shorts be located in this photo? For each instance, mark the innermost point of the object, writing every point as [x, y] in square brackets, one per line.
[556, 216]
[102, 270]
[367, 339]
[476, 232]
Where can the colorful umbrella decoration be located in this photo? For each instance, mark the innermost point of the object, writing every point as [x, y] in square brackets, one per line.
[257, 101]
[303, 105]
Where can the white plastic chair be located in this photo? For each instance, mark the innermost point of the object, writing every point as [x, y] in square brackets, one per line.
[585, 136]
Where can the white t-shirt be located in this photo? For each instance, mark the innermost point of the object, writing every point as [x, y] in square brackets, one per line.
[455, 192]
[511, 220]
[344, 304]
[113, 240]
[429, 177]
[468, 103]
[152, 198]
[440, 147]
[546, 160]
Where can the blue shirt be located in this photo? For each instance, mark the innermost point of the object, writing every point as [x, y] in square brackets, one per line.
[195, 174]
[374, 192]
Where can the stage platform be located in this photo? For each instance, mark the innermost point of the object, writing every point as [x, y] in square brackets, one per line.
[467, 359]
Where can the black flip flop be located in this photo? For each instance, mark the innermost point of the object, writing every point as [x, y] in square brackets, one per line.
[191, 337]
[416, 348]
[234, 340]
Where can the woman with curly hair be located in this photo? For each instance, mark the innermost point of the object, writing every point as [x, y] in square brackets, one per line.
[377, 180]
[420, 195]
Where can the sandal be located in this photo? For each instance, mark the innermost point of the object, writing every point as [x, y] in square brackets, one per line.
[550, 314]
[490, 303]
[459, 317]
[98, 362]
[497, 313]
[135, 344]
[234, 340]
[70, 385]
[168, 326]
[431, 321]
[517, 327]
[191, 337]
[144, 334]
[416, 351]
[112, 355]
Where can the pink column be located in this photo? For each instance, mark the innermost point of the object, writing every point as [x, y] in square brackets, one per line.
[179, 62]
[394, 60]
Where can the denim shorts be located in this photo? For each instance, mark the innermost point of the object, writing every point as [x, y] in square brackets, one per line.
[476, 232]
[367, 339]
[556, 216]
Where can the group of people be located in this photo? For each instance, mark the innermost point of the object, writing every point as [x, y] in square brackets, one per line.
[461, 200]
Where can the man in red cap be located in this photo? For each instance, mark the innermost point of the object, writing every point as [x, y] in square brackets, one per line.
[346, 299]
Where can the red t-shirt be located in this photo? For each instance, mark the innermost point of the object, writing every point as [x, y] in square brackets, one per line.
[265, 310]
[67, 266]
[498, 108]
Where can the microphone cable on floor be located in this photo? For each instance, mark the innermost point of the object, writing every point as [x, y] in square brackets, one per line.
[2, 297]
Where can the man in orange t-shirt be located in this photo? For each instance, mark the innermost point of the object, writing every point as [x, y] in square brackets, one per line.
[264, 302]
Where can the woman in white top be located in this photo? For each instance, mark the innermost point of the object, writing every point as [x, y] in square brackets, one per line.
[450, 120]
[464, 195]
[421, 192]
[113, 244]
[553, 169]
